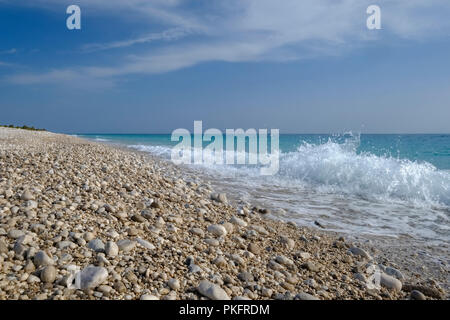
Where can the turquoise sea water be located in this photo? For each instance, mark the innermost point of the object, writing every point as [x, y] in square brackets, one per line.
[386, 184]
[431, 148]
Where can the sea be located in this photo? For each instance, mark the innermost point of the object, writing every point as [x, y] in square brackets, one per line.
[391, 185]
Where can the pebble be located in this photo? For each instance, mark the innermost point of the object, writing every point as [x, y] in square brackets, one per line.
[33, 279]
[305, 296]
[359, 252]
[8, 193]
[111, 249]
[126, 245]
[311, 283]
[148, 297]
[245, 276]
[287, 286]
[65, 244]
[31, 204]
[238, 221]
[48, 274]
[394, 272]
[417, 295]
[304, 255]
[120, 287]
[145, 244]
[284, 260]
[29, 267]
[212, 242]
[222, 198]
[275, 265]
[310, 266]
[266, 292]
[138, 218]
[88, 236]
[360, 277]
[292, 279]
[254, 248]
[42, 259]
[97, 245]
[15, 234]
[197, 231]
[193, 268]
[212, 291]
[27, 195]
[217, 230]
[3, 246]
[390, 282]
[91, 277]
[287, 242]
[220, 261]
[260, 229]
[229, 227]
[427, 290]
[174, 284]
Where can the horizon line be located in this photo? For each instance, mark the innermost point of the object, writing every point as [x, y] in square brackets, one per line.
[288, 133]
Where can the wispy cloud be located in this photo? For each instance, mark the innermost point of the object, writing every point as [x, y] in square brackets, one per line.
[167, 35]
[252, 30]
[5, 64]
[10, 51]
[64, 77]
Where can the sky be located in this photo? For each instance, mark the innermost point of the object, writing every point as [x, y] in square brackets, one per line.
[301, 66]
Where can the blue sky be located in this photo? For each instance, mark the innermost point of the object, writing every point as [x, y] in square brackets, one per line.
[303, 66]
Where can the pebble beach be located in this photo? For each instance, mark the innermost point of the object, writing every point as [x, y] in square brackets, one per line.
[84, 220]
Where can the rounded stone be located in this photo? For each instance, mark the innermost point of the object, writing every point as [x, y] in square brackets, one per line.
[359, 252]
[126, 245]
[48, 274]
[238, 221]
[91, 277]
[390, 282]
[417, 295]
[42, 259]
[15, 234]
[212, 291]
[254, 248]
[27, 195]
[217, 230]
[97, 245]
[148, 297]
[245, 276]
[174, 284]
[111, 249]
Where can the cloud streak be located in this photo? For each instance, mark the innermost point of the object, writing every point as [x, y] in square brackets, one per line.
[167, 35]
[10, 51]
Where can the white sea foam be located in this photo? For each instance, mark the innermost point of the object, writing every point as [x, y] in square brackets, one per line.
[338, 168]
[162, 151]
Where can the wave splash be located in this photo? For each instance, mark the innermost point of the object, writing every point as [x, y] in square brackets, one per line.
[336, 166]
